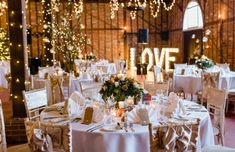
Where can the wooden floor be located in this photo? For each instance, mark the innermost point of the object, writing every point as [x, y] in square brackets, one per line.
[229, 124]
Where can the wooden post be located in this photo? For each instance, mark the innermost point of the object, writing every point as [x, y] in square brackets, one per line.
[18, 50]
[47, 30]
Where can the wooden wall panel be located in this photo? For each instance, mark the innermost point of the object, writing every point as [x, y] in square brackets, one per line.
[211, 10]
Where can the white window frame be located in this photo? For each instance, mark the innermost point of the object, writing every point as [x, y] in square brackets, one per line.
[195, 7]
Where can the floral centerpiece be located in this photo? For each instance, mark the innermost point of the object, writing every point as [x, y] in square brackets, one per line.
[204, 62]
[120, 88]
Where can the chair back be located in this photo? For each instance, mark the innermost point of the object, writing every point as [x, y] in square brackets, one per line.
[209, 80]
[35, 101]
[50, 137]
[37, 83]
[216, 101]
[180, 68]
[3, 144]
[66, 85]
[152, 87]
[224, 66]
[60, 136]
[104, 69]
[169, 137]
[56, 89]
[180, 65]
[91, 92]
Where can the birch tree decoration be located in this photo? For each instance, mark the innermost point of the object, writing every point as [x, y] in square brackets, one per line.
[4, 45]
[68, 38]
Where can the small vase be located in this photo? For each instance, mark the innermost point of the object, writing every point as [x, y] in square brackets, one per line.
[136, 101]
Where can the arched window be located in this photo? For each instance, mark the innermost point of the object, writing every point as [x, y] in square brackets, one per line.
[193, 17]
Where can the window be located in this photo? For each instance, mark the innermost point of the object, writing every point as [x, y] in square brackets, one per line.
[192, 17]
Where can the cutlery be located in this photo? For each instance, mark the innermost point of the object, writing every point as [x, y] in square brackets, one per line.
[125, 126]
[198, 110]
[94, 127]
[98, 127]
[76, 119]
[50, 118]
[61, 120]
[131, 127]
[54, 117]
[119, 126]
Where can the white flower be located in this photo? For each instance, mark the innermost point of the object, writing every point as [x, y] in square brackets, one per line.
[136, 85]
[116, 84]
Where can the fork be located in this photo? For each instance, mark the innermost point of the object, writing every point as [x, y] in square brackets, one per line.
[131, 127]
[125, 126]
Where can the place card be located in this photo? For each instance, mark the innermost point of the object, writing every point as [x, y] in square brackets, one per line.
[88, 116]
[144, 117]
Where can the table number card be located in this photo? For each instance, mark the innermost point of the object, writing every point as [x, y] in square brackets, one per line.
[88, 115]
[144, 117]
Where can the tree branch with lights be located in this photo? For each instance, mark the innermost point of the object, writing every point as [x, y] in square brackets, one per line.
[4, 45]
[67, 39]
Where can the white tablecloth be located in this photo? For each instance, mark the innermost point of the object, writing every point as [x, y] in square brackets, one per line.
[192, 84]
[75, 84]
[121, 141]
[4, 69]
[111, 67]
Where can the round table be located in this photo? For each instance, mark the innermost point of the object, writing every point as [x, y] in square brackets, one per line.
[122, 141]
[193, 83]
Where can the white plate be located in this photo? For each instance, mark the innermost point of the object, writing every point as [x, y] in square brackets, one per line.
[194, 108]
[109, 128]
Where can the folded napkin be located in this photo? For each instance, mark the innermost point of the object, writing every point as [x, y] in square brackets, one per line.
[73, 108]
[86, 75]
[173, 100]
[97, 115]
[41, 73]
[78, 98]
[182, 109]
[53, 108]
[138, 114]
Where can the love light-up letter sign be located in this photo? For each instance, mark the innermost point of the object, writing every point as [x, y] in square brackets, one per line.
[159, 59]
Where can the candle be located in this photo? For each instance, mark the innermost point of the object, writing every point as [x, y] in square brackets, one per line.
[121, 104]
[130, 101]
[60, 73]
[96, 104]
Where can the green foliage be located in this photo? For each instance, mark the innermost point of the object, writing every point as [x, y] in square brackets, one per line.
[120, 88]
[204, 63]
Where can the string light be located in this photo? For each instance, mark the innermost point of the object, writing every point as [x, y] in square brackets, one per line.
[168, 8]
[114, 6]
[66, 39]
[78, 8]
[4, 45]
[158, 4]
[3, 7]
[135, 5]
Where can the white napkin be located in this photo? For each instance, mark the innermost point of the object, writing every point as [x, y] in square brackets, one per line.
[173, 100]
[182, 108]
[76, 103]
[78, 98]
[74, 109]
[86, 75]
[133, 116]
[41, 73]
